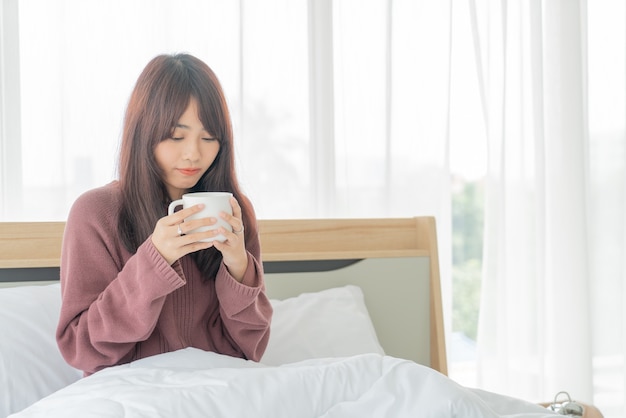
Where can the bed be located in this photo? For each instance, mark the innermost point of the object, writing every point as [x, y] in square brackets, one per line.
[357, 331]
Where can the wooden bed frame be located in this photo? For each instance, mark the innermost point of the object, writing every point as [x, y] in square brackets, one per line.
[394, 261]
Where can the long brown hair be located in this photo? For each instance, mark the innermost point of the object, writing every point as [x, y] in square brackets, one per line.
[160, 97]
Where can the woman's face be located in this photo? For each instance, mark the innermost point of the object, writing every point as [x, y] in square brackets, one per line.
[187, 155]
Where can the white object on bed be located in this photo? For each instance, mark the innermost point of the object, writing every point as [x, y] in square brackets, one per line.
[193, 383]
[31, 365]
[329, 323]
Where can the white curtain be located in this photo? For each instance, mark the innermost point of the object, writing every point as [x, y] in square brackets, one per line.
[552, 75]
[607, 200]
[352, 108]
[534, 332]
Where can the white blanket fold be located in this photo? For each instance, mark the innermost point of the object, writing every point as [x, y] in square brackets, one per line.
[194, 383]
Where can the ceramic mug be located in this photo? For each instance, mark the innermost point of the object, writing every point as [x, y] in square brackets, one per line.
[214, 203]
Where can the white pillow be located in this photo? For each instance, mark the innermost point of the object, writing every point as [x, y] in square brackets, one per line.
[330, 323]
[31, 365]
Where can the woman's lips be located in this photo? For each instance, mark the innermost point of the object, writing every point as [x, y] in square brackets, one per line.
[189, 171]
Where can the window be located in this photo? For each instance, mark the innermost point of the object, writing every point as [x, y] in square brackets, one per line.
[76, 65]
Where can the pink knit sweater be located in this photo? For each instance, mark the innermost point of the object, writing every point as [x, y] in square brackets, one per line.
[118, 307]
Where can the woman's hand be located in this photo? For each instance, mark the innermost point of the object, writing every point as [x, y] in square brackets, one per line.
[171, 237]
[234, 248]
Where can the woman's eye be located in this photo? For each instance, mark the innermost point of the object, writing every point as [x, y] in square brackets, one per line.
[176, 138]
[210, 139]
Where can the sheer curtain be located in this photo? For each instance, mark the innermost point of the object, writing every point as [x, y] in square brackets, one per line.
[552, 87]
[78, 61]
[607, 200]
[353, 108]
[536, 262]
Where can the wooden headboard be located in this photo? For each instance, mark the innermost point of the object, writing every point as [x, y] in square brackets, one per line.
[391, 249]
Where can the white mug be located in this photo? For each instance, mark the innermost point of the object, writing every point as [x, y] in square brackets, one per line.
[214, 203]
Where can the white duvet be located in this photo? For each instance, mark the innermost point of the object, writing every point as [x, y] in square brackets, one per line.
[194, 383]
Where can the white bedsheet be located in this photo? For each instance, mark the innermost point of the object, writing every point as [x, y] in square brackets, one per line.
[194, 383]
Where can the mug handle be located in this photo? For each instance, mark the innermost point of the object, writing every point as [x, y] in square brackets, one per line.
[173, 206]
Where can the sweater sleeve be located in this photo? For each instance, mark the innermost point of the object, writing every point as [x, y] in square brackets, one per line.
[245, 309]
[108, 305]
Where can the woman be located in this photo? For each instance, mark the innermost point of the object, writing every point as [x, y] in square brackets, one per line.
[134, 282]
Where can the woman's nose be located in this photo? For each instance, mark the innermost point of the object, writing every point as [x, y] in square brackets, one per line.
[192, 150]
